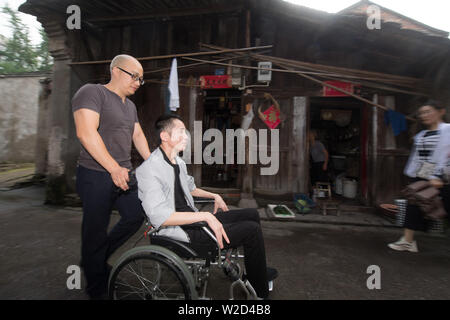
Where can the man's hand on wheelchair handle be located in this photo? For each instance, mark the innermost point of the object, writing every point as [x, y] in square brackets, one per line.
[119, 176]
[219, 204]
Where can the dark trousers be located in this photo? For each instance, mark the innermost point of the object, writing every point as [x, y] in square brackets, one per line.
[317, 173]
[99, 196]
[243, 228]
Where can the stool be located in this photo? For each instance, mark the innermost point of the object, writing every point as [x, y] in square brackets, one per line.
[331, 205]
[325, 187]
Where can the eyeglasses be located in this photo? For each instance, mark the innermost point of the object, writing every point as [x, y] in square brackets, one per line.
[135, 77]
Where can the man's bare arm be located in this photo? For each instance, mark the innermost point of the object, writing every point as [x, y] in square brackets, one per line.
[183, 218]
[218, 201]
[86, 123]
[140, 141]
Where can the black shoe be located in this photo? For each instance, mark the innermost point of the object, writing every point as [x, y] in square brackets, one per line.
[272, 273]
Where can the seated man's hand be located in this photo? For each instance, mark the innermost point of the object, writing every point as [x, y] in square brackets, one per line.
[219, 204]
[218, 230]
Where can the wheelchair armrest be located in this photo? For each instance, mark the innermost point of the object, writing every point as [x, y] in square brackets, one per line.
[203, 200]
[196, 225]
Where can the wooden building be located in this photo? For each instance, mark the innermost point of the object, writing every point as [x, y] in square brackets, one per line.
[389, 68]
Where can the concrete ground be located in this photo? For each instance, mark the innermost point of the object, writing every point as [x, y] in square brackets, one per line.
[315, 261]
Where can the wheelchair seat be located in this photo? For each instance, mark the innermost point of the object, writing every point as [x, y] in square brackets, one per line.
[179, 247]
[186, 250]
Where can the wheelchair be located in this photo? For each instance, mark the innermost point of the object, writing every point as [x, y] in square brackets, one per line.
[170, 269]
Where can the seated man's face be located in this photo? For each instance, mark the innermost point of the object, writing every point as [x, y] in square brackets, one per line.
[178, 137]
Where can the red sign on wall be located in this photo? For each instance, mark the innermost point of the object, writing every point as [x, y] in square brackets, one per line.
[330, 92]
[272, 117]
[215, 82]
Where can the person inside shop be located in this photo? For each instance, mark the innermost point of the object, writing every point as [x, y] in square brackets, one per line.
[428, 161]
[319, 157]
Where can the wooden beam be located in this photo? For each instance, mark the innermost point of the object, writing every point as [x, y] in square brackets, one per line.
[186, 66]
[336, 71]
[191, 65]
[302, 74]
[323, 75]
[406, 81]
[345, 92]
[179, 55]
[248, 67]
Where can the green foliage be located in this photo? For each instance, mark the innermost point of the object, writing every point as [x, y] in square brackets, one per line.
[46, 60]
[17, 54]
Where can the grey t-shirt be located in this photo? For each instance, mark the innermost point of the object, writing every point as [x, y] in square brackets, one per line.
[116, 127]
[317, 152]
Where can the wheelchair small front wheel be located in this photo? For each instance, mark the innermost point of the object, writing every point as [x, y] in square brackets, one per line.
[151, 273]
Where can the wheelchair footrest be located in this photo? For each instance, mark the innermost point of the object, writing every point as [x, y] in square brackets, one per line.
[246, 286]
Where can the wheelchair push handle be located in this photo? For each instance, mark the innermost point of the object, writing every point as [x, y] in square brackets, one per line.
[132, 182]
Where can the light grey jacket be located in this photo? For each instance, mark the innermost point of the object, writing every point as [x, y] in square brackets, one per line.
[440, 155]
[156, 191]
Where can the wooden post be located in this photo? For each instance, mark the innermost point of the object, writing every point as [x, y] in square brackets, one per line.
[195, 114]
[247, 200]
[300, 147]
[364, 154]
[247, 28]
[373, 177]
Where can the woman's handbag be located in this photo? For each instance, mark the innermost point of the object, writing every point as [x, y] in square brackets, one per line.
[427, 197]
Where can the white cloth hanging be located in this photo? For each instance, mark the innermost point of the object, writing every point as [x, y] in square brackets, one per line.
[174, 101]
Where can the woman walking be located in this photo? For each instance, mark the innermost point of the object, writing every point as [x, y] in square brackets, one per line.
[428, 161]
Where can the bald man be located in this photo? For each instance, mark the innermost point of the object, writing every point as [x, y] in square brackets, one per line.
[107, 125]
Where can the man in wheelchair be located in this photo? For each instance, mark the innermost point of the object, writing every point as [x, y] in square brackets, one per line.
[167, 191]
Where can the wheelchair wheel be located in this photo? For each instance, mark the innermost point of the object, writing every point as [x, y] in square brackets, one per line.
[151, 273]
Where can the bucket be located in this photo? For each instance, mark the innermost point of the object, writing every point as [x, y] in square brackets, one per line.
[350, 188]
[338, 183]
[400, 217]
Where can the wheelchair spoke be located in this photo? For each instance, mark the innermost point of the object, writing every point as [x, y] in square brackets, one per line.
[147, 279]
[139, 277]
[125, 294]
[126, 284]
[135, 290]
[165, 292]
